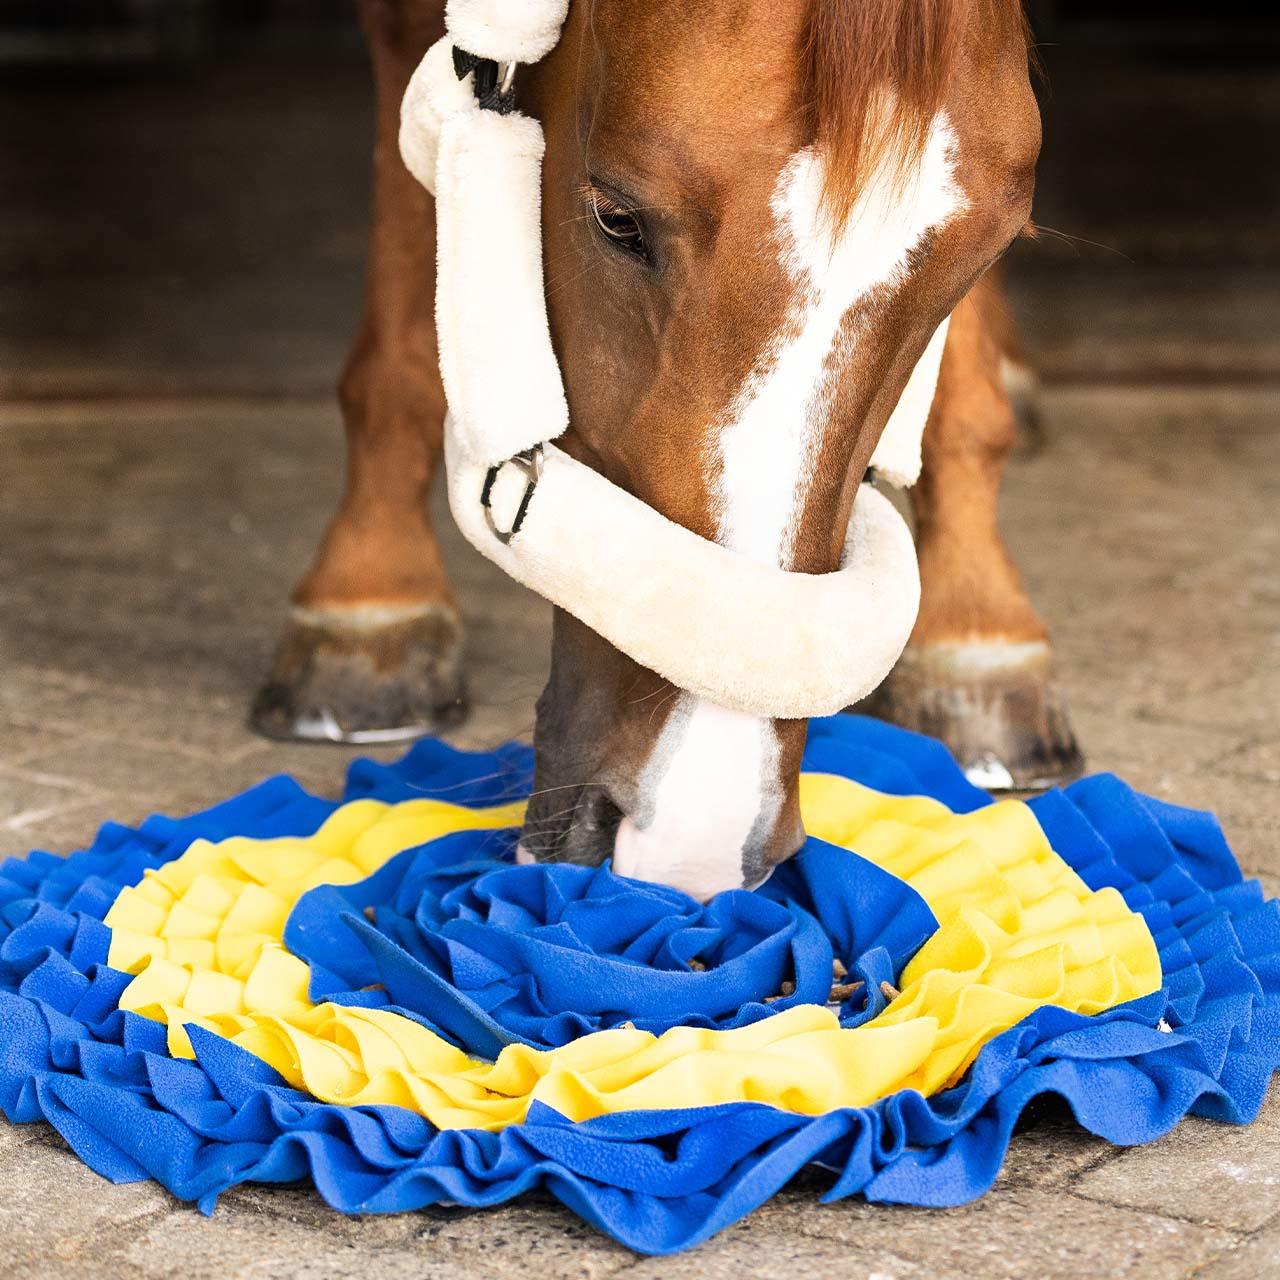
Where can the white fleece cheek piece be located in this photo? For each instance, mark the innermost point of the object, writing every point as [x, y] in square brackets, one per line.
[747, 636]
[434, 95]
[489, 285]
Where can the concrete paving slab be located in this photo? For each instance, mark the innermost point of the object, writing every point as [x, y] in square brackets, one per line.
[146, 775]
[92, 710]
[54, 1209]
[271, 1246]
[753, 1251]
[1258, 760]
[28, 795]
[536, 1235]
[1202, 1172]
[1049, 1149]
[1255, 1259]
[1013, 1233]
[63, 831]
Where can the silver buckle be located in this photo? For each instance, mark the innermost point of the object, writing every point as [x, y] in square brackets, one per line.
[529, 463]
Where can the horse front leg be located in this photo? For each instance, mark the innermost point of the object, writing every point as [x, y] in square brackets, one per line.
[373, 646]
[978, 670]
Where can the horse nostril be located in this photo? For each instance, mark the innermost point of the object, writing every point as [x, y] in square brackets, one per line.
[598, 816]
[581, 832]
[592, 827]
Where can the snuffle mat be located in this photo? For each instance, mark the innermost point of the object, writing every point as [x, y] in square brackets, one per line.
[372, 996]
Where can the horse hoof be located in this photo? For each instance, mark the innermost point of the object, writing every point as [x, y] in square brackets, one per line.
[366, 674]
[994, 705]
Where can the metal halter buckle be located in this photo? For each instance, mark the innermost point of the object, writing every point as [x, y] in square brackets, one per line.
[529, 463]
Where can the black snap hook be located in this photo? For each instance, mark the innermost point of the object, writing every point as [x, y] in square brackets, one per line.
[529, 463]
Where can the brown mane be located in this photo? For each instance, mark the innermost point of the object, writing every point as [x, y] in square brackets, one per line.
[856, 49]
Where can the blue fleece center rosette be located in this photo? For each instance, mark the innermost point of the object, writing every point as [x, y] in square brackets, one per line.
[490, 954]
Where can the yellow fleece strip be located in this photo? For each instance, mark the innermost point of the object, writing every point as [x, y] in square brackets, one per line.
[1018, 929]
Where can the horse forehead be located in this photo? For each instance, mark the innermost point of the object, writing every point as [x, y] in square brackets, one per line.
[695, 152]
[673, 32]
[709, 82]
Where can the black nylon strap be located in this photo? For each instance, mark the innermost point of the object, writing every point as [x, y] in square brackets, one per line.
[487, 89]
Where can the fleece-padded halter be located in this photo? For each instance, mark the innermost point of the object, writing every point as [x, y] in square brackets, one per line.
[739, 633]
[748, 636]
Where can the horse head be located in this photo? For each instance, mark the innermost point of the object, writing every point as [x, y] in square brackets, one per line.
[756, 218]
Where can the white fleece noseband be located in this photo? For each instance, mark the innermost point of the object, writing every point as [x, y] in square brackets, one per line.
[749, 637]
[704, 617]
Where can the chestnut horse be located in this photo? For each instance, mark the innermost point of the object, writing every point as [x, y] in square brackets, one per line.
[695, 167]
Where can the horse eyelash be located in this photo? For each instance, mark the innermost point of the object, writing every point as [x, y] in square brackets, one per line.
[602, 205]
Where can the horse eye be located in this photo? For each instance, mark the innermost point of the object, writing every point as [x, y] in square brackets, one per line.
[618, 224]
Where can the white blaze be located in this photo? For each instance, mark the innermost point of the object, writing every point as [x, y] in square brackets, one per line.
[705, 786]
[770, 445]
[712, 778]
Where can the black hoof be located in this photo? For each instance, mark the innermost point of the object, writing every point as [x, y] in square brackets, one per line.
[994, 705]
[364, 675]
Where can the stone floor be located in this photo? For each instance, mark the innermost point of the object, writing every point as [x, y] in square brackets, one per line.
[178, 274]
[148, 549]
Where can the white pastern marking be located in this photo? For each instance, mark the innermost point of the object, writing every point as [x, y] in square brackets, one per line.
[706, 784]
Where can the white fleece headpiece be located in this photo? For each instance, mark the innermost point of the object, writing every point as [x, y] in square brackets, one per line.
[741, 634]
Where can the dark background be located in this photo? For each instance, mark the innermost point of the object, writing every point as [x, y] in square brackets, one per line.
[185, 195]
